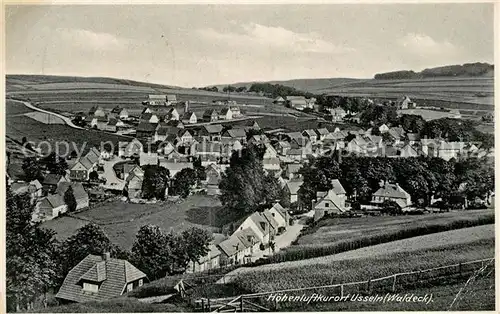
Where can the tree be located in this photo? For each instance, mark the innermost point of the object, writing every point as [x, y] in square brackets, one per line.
[198, 241]
[30, 254]
[200, 170]
[391, 207]
[89, 239]
[155, 182]
[183, 181]
[69, 199]
[152, 252]
[55, 164]
[32, 169]
[94, 176]
[243, 185]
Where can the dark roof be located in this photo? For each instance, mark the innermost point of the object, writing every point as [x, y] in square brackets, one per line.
[391, 191]
[213, 128]
[209, 113]
[52, 179]
[114, 274]
[236, 133]
[78, 190]
[225, 110]
[146, 127]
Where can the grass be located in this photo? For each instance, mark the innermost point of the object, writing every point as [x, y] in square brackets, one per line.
[120, 305]
[362, 269]
[334, 236]
[121, 221]
[481, 297]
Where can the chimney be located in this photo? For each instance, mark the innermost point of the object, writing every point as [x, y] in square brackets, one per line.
[106, 256]
[186, 106]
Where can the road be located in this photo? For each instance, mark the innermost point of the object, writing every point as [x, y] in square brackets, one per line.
[65, 119]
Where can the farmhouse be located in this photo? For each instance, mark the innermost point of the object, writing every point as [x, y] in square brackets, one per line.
[99, 278]
[133, 184]
[234, 135]
[210, 115]
[130, 149]
[51, 181]
[189, 117]
[328, 203]
[120, 113]
[156, 100]
[297, 102]
[392, 192]
[279, 100]
[226, 114]
[211, 132]
[210, 261]
[51, 207]
[171, 99]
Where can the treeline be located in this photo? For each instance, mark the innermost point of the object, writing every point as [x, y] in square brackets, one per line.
[37, 263]
[467, 69]
[275, 90]
[454, 182]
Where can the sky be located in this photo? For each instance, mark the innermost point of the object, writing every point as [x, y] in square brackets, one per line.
[201, 45]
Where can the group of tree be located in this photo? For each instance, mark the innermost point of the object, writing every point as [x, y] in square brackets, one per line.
[421, 177]
[232, 89]
[55, 164]
[37, 263]
[467, 69]
[155, 182]
[33, 167]
[349, 104]
[275, 90]
[245, 186]
[210, 89]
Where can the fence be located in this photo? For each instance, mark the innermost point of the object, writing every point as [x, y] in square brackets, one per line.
[264, 301]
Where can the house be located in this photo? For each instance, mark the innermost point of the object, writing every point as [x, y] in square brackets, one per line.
[175, 167]
[189, 117]
[81, 196]
[145, 130]
[149, 118]
[51, 181]
[292, 170]
[210, 261]
[51, 207]
[259, 225]
[257, 139]
[113, 125]
[130, 149]
[392, 192]
[99, 278]
[273, 224]
[207, 148]
[81, 170]
[133, 184]
[211, 132]
[408, 151]
[210, 115]
[429, 147]
[311, 135]
[405, 103]
[282, 147]
[412, 138]
[33, 188]
[185, 136]
[234, 135]
[129, 169]
[213, 173]
[236, 112]
[328, 203]
[172, 114]
[226, 114]
[97, 112]
[322, 133]
[297, 102]
[271, 164]
[233, 251]
[156, 100]
[279, 100]
[292, 187]
[175, 124]
[383, 128]
[250, 240]
[280, 215]
[449, 150]
[146, 110]
[171, 99]
[337, 114]
[120, 113]
[98, 122]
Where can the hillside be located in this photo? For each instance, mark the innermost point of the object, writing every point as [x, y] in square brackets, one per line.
[466, 70]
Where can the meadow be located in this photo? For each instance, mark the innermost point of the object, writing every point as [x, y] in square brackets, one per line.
[329, 237]
[121, 220]
[423, 252]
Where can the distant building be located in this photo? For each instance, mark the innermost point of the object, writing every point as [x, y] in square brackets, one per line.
[337, 114]
[226, 114]
[392, 192]
[405, 103]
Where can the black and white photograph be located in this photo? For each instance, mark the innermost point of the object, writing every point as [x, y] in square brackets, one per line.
[266, 157]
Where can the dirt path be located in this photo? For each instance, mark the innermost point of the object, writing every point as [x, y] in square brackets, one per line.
[430, 241]
[66, 120]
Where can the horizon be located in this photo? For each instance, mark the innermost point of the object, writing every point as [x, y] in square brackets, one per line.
[206, 45]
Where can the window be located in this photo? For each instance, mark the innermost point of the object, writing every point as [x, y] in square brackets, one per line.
[141, 282]
[129, 287]
[327, 204]
[90, 287]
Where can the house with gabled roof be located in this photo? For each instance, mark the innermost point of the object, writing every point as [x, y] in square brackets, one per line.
[189, 117]
[210, 115]
[292, 187]
[449, 150]
[100, 278]
[337, 114]
[279, 100]
[51, 181]
[130, 149]
[234, 135]
[209, 261]
[51, 207]
[233, 251]
[322, 133]
[310, 134]
[328, 203]
[408, 151]
[97, 111]
[145, 130]
[120, 113]
[226, 114]
[392, 192]
[211, 132]
[280, 214]
[259, 225]
[171, 99]
[250, 240]
[412, 138]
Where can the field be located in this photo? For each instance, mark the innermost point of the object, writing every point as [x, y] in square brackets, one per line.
[334, 230]
[121, 221]
[422, 252]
